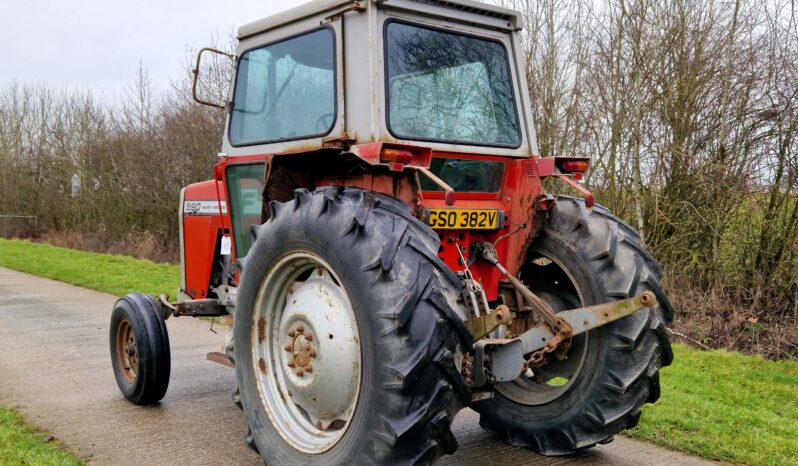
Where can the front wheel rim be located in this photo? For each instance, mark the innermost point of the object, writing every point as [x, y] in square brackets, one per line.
[306, 352]
[127, 351]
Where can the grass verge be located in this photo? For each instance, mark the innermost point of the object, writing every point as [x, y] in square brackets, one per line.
[716, 404]
[116, 275]
[22, 445]
[726, 406]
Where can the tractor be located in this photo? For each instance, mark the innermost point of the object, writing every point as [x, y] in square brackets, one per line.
[378, 231]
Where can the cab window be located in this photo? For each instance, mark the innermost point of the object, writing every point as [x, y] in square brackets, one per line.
[449, 87]
[245, 190]
[285, 91]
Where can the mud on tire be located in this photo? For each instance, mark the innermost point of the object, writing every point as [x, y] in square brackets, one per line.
[405, 302]
[620, 371]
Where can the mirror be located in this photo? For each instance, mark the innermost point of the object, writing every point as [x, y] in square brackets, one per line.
[211, 78]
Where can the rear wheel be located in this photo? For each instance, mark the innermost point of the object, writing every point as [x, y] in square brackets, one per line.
[583, 258]
[348, 342]
[140, 353]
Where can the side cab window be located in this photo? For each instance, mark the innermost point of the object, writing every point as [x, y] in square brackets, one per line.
[244, 190]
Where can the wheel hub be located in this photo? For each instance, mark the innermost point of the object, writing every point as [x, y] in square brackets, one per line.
[322, 373]
[302, 349]
[126, 351]
[306, 350]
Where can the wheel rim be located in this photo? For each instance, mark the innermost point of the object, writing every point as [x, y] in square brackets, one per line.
[126, 351]
[547, 383]
[306, 352]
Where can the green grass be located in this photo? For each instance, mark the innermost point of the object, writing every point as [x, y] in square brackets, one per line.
[22, 445]
[116, 275]
[719, 405]
[726, 406]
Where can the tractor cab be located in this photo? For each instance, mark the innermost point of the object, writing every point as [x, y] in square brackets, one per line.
[445, 75]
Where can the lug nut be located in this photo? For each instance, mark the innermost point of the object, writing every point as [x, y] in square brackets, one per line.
[309, 337]
[291, 333]
[288, 347]
[309, 368]
[300, 328]
[291, 363]
[300, 372]
[312, 353]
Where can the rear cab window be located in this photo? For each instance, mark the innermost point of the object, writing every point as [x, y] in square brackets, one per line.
[449, 86]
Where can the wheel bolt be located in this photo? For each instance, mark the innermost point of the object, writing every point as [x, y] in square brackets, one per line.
[291, 333]
[300, 372]
[291, 363]
[309, 337]
[300, 328]
[309, 368]
[312, 353]
[288, 347]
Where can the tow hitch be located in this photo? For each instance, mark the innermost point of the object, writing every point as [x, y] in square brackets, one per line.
[501, 360]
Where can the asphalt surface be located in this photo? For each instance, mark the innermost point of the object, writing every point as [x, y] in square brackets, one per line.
[55, 369]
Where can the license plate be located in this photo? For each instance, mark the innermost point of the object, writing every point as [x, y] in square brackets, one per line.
[467, 219]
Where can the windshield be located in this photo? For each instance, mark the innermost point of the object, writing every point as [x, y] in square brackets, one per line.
[285, 90]
[449, 87]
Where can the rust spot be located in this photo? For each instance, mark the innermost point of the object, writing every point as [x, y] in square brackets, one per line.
[262, 365]
[261, 329]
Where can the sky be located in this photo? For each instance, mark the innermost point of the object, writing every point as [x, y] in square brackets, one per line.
[98, 44]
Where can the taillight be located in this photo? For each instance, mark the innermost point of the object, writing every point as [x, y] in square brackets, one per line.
[396, 155]
[574, 166]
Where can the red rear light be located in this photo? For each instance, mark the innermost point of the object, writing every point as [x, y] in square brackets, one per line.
[571, 166]
[217, 172]
[396, 155]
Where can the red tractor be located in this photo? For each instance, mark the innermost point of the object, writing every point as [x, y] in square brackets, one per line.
[378, 230]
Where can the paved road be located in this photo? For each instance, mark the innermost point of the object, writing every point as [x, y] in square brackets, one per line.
[55, 369]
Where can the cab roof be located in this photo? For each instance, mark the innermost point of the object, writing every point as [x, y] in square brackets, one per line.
[433, 7]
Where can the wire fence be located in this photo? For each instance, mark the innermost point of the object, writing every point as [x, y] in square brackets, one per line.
[12, 225]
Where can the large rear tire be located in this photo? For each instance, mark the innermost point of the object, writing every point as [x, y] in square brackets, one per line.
[587, 258]
[348, 266]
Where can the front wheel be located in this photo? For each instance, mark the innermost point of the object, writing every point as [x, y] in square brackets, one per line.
[140, 353]
[347, 339]
[596, 389]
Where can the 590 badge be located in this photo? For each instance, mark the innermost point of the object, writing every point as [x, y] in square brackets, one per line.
[471, 219]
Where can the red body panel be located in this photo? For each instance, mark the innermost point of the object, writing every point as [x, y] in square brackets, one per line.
[202, 229]
[521, 187]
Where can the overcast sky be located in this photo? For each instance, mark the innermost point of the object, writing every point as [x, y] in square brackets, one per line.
[97, 44]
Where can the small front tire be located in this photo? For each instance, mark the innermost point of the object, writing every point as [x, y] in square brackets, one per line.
[140, 353]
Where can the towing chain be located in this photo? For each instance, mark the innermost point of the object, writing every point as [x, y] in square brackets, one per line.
[536, 359]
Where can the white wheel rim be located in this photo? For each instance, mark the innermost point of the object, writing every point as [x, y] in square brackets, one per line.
[306, 352]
